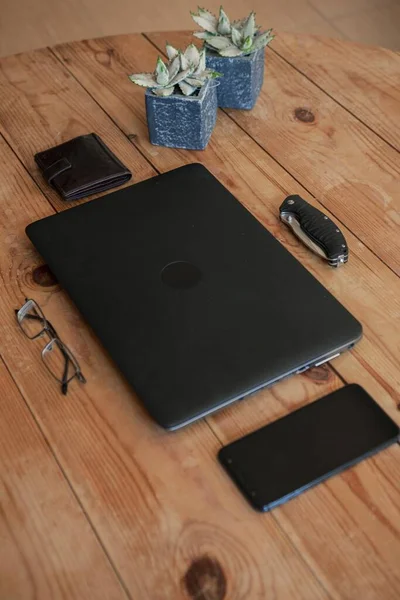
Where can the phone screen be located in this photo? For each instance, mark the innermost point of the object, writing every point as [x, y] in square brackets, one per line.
[288, 456]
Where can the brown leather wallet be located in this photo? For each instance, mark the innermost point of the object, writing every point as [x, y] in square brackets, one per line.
[81, 167]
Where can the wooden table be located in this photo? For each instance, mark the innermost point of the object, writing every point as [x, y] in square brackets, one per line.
[96, 501]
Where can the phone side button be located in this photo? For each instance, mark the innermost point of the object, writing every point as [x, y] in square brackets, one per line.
[321, 362]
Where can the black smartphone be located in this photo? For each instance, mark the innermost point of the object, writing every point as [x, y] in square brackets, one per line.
[286, 457]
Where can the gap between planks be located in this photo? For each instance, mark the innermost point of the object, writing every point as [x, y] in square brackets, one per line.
[45, 438]
[211, 428]
[353, 114]
[128, 137]
[214, 432]
[53, 456]
[137, 147]
[306, 565]
[293, 176]
[89, 94]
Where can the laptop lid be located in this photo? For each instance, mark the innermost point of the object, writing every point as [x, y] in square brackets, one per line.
[195, 301]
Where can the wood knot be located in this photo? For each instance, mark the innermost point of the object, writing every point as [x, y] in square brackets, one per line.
[205, 579]
[304, 114]
[43, 276]
[319, 374]
[132, 136]
[104, 57]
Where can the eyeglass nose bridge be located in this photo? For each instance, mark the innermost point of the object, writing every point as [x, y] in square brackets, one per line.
[49, 346]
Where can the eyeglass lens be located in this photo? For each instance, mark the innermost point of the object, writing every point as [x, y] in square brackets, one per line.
[31, 320]
[59, 361]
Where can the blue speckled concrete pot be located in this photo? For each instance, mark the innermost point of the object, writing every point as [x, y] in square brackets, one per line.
[182, 121]
[242, 80]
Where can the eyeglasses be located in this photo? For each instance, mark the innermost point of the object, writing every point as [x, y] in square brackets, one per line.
[57, 357]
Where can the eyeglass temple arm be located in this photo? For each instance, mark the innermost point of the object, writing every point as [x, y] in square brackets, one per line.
[78, 373]
[64, 383]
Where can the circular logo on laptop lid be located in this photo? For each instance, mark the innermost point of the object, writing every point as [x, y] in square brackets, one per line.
[181, 275]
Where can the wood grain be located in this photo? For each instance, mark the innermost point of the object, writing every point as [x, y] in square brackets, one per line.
[158, 501]
[368, 85]
[47, 547]
[351, 496]
[347, 529]
[42, 105]
[351, 171]
[261, 184]
[172, 522]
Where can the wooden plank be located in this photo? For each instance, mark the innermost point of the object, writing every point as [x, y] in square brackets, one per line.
[261, 184]
[368, 272]
[364, 79]
[158, 501]
[42, 106]
[347, 529]
[47, 547]
[351, 171]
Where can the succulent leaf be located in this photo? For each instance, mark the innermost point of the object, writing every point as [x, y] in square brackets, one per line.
[192, 55]
[174, 66]
[144, 79]
[180, 77]
[236, 37]
[247, 44]
[171, 51]
[240, 23]
[203, 35]
[196, 81]
[207, 15]
[164, 91]
[263, 40]
[161, 72]
[241, 37]
[213, 74]
[201, 65]
[205, 23]
[231, 51]
[224, 25]
[183, 60]
[187, 70]
[186, 88]
[249, 28]
[219, 42]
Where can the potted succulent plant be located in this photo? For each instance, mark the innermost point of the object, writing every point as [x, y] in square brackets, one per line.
[181, 99]
[236, 49]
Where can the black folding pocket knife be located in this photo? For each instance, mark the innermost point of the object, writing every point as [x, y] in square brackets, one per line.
[315, 230]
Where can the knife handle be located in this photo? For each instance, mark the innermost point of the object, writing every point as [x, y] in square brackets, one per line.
[318, 228]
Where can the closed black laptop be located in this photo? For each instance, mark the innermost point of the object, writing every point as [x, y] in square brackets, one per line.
[193, 298]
